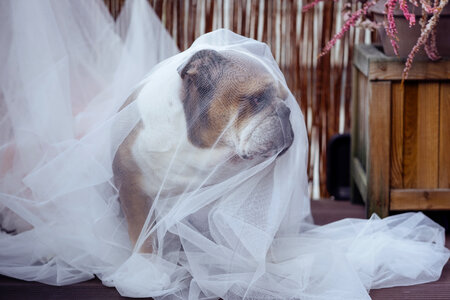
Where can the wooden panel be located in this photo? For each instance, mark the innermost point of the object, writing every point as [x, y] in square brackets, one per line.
[362, 118]
[444, 136]
[427, 135]
[419, 70]
[378, 148]
[359, 176]
[354, 112]
[377, 66]
[410, 135]
[363, 55]
[420, 199]
[397, 136]
[421, 135]
[354, 194]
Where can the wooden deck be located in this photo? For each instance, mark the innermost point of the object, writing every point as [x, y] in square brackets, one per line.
[324, 211]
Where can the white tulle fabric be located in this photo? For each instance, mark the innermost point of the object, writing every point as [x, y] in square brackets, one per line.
[67, 68]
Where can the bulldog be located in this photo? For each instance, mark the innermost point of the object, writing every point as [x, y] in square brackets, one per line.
[216, 108]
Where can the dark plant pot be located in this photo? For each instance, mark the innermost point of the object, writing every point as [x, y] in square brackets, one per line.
[408, 36]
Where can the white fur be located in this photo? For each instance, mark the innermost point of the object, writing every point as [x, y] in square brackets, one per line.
[164, 134]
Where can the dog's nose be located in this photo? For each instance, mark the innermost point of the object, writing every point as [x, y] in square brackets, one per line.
[283, 113]
[288, 134]
[288, 139]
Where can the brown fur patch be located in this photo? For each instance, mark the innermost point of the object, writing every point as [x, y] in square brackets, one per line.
[219, 87]
[134, 201]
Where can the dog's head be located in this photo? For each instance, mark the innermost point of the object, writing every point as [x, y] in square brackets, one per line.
[232, 100]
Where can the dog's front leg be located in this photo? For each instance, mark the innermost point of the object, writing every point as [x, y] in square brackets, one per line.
[135, 205]
[134, 201]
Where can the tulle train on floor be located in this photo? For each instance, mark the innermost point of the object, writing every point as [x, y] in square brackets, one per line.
[67, 68]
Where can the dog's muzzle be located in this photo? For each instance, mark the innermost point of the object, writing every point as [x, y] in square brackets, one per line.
[273, 136]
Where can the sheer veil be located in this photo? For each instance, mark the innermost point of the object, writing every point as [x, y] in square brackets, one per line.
[221, 149]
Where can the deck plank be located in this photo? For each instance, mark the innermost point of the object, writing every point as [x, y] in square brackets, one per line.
[324, 212]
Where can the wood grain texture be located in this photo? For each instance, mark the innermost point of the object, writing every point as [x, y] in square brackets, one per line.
[419, 70]
[410, 135]
[180, 25]
[438, 290]
[444, 136]
[363, 98]
[378, 148]
[360, 178]
[355, 193]
[420, 199]
[376, 66]
[191, 20]
[397, 135]
[427, 135]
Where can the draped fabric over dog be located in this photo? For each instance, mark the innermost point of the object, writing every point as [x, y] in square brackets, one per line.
[219, 151]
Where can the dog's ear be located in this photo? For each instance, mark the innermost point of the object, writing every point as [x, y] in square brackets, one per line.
[204, 64]
[201, 75]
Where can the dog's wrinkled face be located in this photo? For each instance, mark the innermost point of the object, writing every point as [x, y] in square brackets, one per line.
[231, 100]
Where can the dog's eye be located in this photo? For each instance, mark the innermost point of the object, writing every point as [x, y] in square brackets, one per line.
[254, 100]
[258, 100]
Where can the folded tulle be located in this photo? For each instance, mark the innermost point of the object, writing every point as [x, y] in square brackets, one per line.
[381, 252]
[342, 260]
[68, 68]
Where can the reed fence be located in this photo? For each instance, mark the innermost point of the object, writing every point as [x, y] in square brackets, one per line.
[321, 86]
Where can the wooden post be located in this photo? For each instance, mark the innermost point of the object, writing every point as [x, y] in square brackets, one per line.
[355, 170]
[378, 148]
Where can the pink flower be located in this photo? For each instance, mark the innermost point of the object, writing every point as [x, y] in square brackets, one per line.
[427, 29]
[408, 16]
[391, 28]
[312, 4]
[429, 8]
[354, 17]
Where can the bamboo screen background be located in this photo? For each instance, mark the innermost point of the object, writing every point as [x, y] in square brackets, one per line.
[321, 86]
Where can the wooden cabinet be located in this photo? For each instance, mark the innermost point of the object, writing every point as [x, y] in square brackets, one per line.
[400, 155]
